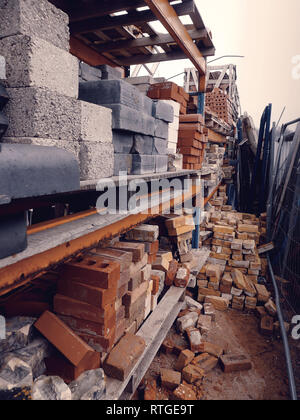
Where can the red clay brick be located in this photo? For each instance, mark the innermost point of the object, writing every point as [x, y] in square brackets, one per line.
[92, 271]
[170, 379]
[89, 327]
[101, 344]
[137, 249]
[124, 258]
[155, 280]
[81, 310]
[182, 278]
[171, 274]
[184, 359]
[235, 363]
[63, 338]
[124, 356]
[85, 293]
[58, 365]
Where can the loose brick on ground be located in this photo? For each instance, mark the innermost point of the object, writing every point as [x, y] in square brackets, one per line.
[170, 379]
[235, 363]
[124, 356]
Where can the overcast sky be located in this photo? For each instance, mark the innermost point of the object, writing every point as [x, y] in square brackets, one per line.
[267, 33]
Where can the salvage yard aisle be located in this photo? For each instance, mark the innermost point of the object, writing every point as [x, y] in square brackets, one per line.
[237, 333]
[128, 268]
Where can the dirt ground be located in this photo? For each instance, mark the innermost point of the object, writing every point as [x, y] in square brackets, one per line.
[237, 332]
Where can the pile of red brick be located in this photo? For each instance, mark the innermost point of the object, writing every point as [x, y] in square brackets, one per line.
[171, 91]
[220, 103]
[102, 299]
[192, 140]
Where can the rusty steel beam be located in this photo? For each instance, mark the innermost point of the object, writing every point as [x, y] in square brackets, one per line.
[24, 271]
[168, 17]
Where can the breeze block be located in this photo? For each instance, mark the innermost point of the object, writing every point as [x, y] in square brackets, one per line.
[35, 17]
[32, 61]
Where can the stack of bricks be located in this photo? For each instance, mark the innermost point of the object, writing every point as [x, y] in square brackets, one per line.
[220, 103]
[110, 291]
[232, 275]
[170, 91]
[86, 299]
[180, 229]
[146, 284]
[219, 200]
[43, 108]
[192, 141]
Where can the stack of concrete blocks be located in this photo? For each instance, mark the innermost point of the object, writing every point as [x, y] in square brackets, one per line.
[89, 73]
[42, 82]
[143, 83]
[140, 125]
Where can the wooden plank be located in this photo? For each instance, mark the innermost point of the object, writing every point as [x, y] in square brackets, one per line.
[147, 41]
[153, 331]
[161, 57]
[135, 18]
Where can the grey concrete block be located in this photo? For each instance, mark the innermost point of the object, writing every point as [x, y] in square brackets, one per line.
[161, 163]
[161, 129]
[122, 163]
[123, 142]
[35, 17]
[32, 61]
[147, 105]
[140, 80]
[163, 111]
[96, 160]
[71, 146]
[109, 92]
[89, 73]
[160, 146]
[143, 164]
[38, 112]
[128, 119]
[96, 123]
[143, 145]
[110, 73]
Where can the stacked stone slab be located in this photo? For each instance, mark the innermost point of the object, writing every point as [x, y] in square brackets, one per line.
[42, 83]
[140, 125]
[143, 83]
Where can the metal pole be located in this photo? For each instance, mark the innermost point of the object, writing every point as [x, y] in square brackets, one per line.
[287, 352]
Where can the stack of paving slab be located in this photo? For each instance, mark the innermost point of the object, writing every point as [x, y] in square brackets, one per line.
[42, 83]
[140, 125]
